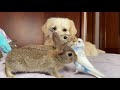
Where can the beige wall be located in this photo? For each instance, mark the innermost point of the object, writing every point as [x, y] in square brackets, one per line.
[97, 30]
[85, 26]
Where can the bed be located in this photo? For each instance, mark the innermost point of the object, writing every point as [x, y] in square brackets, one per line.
[108, 64]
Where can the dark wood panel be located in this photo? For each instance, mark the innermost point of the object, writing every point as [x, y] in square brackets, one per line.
[112, 50]
[82, 24]
[102, 32]
[91, 27]
[22, 26]
[110, 31]
[25, 27]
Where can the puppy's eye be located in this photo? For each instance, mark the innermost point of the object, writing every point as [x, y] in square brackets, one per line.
[54, 28]
[65, 37]
[69, 54]
[64, 30]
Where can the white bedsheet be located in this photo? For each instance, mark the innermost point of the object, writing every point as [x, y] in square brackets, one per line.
[108, 64]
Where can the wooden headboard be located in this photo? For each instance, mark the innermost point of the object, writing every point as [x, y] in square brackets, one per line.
[25, 27]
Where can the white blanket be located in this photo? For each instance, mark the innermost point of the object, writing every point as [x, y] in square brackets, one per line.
[108, 64]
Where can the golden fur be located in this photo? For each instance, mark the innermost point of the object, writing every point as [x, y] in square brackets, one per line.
[60, 24]
[91, 50]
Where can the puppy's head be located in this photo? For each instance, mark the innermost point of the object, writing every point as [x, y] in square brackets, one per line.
[59, 25]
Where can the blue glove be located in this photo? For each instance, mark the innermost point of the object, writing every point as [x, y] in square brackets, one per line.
[4, 45]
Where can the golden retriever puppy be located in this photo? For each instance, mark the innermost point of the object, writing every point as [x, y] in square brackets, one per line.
[65, 26]
[91, 50]
[59, 25]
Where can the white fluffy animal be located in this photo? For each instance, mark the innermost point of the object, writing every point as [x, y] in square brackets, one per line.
[82, 64]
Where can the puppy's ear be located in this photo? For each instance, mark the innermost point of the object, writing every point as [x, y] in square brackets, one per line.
[45, 29]
[73, 30]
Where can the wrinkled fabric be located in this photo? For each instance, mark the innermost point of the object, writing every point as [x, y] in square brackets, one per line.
[108, 64]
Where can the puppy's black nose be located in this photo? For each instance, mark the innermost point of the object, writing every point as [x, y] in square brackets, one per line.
[65, 37]
[70, 54]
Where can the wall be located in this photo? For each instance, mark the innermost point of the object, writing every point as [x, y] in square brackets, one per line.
[97, 29]
[83, 25]
[25, 27]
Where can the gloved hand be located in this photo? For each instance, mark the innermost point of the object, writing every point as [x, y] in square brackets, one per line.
[1, 55]
[4, 45]
[4, 34]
